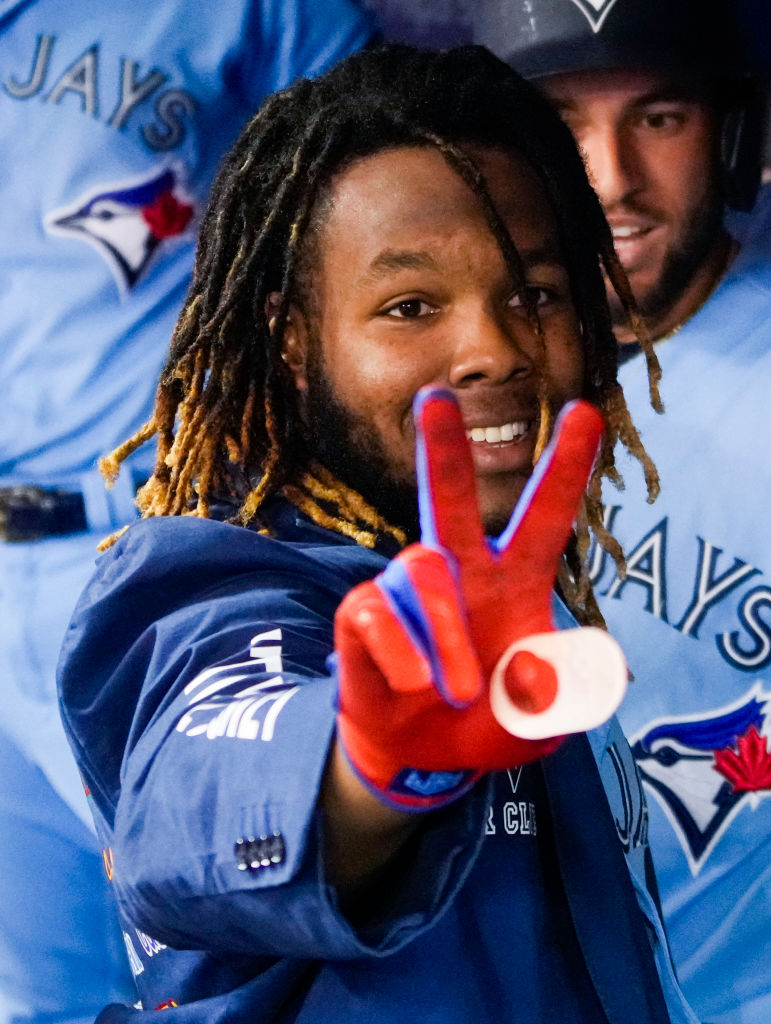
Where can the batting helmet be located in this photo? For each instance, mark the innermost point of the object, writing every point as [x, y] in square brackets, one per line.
[547, 37]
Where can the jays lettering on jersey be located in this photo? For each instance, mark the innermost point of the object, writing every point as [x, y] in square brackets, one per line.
[112, 120]
[694, 618]
[196, 694]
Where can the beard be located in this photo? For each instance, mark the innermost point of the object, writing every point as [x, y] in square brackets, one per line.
[680, 265]
[352, 450]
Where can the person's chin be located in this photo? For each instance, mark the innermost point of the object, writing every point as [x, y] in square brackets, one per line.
[645, 284]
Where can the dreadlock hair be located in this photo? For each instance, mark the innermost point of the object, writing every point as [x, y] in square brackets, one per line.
[225, 416]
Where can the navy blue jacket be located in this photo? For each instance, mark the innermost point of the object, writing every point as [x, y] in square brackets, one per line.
[198, 701]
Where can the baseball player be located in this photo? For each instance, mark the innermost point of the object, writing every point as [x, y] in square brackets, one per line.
[665, 105]
[112, 122]
[343, 774]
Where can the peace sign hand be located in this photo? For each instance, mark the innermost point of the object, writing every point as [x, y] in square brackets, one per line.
[449, 665]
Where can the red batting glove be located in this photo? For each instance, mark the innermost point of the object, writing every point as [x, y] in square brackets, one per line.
[448, 662]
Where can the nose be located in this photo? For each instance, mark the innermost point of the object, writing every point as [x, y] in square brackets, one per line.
[613, 162]
[487, 350]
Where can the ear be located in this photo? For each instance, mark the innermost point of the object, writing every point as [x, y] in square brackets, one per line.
[294, 349]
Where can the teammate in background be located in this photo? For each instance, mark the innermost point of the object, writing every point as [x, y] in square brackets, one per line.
[112, 123]
[311, 838]
[662, 101]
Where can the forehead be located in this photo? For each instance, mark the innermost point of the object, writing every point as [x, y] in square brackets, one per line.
[622, 87]
[410, 199]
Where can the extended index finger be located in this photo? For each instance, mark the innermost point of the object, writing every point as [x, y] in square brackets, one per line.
[447, 496]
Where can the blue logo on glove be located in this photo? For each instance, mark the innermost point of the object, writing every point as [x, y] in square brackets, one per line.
[412, 782]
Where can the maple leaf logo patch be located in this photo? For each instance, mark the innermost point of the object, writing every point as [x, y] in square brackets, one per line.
[748, 768]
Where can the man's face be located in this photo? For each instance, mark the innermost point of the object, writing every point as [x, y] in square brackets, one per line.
[412, 289]
[650, 150]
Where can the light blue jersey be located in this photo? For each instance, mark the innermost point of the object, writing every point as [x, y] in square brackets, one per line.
[694, 617]
[112, 121]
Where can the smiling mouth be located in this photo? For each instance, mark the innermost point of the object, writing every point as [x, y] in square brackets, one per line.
[631, 243]
[626, 232]
[506, 433]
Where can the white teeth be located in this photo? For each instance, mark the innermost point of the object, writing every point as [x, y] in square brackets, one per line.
[494, 435]
[625, 232]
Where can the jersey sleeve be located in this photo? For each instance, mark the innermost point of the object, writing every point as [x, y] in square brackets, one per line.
[202, 724]
[289, 39]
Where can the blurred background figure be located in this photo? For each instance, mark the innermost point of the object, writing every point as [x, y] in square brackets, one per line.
[430, 23]
[666, 103]
[112, 123]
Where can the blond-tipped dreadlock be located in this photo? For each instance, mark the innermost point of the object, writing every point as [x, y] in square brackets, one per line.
[225, 412]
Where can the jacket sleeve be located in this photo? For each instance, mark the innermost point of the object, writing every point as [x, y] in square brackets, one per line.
[229, 713]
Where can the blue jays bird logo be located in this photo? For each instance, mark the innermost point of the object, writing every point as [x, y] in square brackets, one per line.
[126, 223]
[704, 769]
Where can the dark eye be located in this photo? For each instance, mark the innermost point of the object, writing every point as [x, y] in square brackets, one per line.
[667, 756]
[535, 297]
[663, 120]
[101, 212]
[410, 309]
